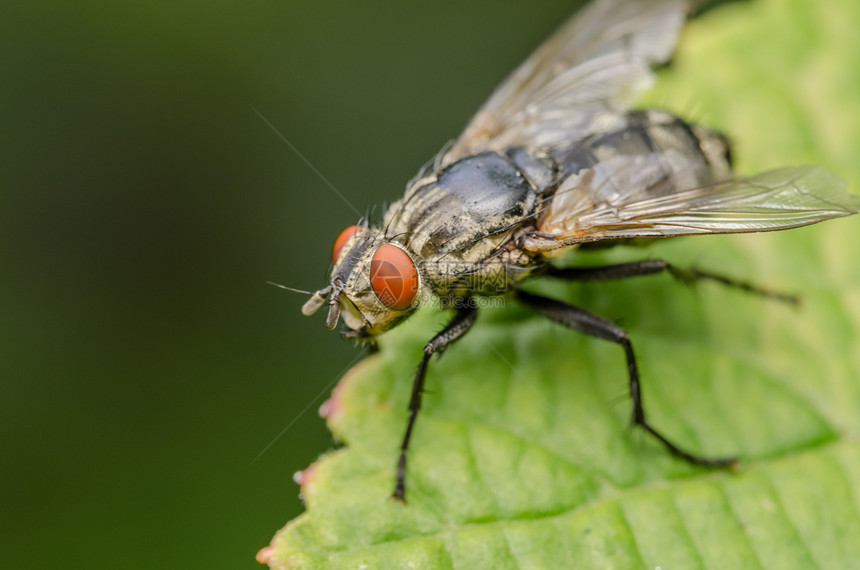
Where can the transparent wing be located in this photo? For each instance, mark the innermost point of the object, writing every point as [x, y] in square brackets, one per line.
[587, 71]
[590, 207]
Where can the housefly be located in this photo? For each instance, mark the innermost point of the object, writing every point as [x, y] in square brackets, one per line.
[555, 160]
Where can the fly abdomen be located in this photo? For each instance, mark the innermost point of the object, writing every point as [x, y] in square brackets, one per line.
[687, 156]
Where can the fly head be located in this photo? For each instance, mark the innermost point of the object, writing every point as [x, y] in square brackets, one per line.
[375, 283]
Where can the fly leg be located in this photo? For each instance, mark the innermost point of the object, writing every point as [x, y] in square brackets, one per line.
[459, 325]
[592, 325]
[651, 266]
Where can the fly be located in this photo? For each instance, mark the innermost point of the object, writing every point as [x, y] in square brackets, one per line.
[554, 161]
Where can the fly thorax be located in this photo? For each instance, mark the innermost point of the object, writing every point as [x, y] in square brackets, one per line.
[460, 219]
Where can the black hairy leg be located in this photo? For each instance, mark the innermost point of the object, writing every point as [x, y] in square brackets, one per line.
[652, 266]
[456, 328]
[580, 320]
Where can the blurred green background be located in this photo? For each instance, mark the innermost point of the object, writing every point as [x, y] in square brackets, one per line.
[143, 207]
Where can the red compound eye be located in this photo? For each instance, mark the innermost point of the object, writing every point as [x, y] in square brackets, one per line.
[341, 241]
[393, 277]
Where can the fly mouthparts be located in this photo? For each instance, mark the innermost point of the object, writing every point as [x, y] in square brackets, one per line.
[316, 301]
[333, 313]
[319, 298]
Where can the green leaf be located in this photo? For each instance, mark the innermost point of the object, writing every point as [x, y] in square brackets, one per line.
[521, 457]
